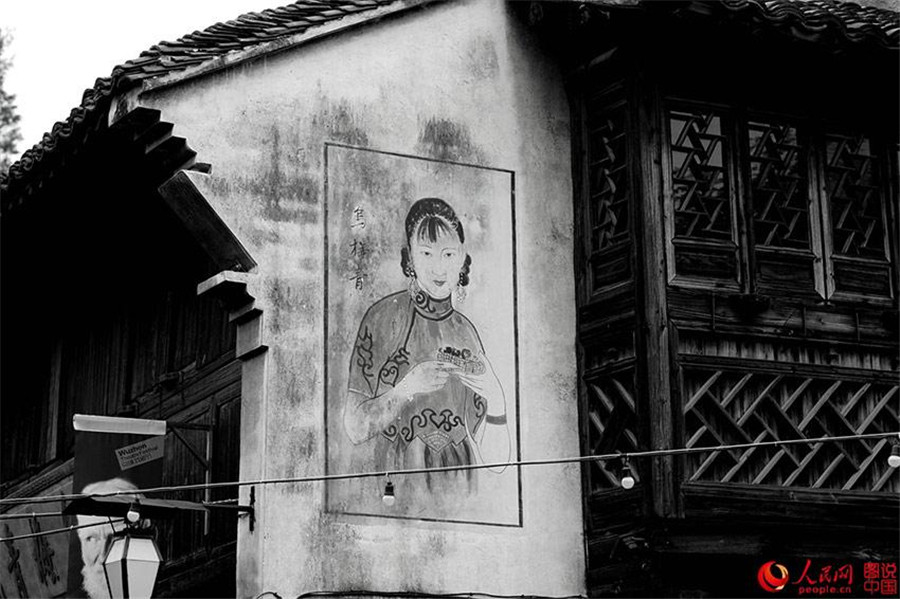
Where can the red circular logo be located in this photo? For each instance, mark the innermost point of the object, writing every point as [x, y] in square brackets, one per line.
[769, 580]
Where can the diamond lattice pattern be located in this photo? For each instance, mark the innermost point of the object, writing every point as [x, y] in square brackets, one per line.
[700, 184]
[779, 186]
[854, 197]
[609, 189]
[611, 426]
[730, 407]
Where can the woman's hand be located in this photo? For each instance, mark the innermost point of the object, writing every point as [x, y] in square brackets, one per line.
[425, 377]
[485, 384]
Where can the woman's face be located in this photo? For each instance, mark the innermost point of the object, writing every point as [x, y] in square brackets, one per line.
[437, 263]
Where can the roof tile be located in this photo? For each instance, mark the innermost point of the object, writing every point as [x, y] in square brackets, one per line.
[856, 23]
[190, 50]
[804, 17]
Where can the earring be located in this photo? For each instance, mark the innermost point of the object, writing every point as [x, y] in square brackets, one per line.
[460, 294]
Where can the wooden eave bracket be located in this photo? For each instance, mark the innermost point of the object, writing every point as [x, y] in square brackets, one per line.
[231, 288]
[185, 199]
[123, 105]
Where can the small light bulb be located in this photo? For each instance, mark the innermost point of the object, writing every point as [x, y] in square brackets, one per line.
[894, 458]
[133, 514]
[627, 479]
[388, 498]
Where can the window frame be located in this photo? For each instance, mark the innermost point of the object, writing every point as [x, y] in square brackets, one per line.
[811, 134]
[880, 145]
[737, 227]
[806, 135]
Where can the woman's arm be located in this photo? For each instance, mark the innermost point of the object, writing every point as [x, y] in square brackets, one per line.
[365, 417]
[492, 442]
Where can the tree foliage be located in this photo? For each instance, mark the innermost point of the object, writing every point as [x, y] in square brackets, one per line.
[9, 115]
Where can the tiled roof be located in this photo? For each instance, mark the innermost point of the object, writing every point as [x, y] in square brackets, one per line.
[816, 17]
[810, 17]
[244, 32]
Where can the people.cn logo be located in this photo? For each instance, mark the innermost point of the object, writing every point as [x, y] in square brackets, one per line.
[769, 580]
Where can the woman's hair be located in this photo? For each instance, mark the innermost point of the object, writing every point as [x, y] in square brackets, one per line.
[426, 220]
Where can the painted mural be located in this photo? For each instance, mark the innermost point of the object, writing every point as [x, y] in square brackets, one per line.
[421, 337]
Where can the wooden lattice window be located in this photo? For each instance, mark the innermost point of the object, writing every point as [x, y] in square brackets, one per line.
[607, 211]
[701, 215]
[609, 180]
[723, 407]
[854, 197]
[855, 204]
[808, 206]
[611, 425]
[700, 182]
[780, 186]
[785, 229]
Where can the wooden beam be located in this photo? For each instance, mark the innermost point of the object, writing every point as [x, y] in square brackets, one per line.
[192, 209]
[655, 365]
[757, 505]
[50, 449]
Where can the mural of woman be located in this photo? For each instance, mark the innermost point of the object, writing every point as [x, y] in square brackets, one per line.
[421, 389]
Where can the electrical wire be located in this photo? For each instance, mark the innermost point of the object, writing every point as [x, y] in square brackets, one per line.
[30, 515]
[55, 531]
[463, 467]
[358, 475]
[221, 501]
[415, 595]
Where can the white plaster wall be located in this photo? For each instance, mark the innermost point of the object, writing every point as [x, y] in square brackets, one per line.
[262, 126]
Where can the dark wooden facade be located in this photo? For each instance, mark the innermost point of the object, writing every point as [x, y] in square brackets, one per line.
[736, 271]
[100, 315]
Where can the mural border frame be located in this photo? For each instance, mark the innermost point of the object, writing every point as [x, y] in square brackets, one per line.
[515, 281]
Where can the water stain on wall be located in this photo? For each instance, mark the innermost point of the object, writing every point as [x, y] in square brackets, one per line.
[298, 379]
[301, 449]
[437, 545]
[339, 539]
[563, 386]
[559, 234]
[481, 58]
[287, 197]
[339, 122]
[444, 139]
[283, 300]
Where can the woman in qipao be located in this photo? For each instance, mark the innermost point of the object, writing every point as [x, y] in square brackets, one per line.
[421, 387]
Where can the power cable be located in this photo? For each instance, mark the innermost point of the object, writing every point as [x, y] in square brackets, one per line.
[464, 467]
[55, 531]
[415, 595]
[30, 515]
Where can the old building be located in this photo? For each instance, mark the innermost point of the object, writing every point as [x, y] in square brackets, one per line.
[369, 235]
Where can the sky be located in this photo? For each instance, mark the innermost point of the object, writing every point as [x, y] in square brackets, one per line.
[60, 47]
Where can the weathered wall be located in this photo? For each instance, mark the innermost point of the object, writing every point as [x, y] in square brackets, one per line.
[454, 81]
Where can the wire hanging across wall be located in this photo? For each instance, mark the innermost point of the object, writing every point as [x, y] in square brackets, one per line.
[619, 456]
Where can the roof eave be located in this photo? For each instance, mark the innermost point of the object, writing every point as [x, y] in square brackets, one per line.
[241, 56]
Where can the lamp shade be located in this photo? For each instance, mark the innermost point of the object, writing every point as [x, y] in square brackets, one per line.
[131, 566]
